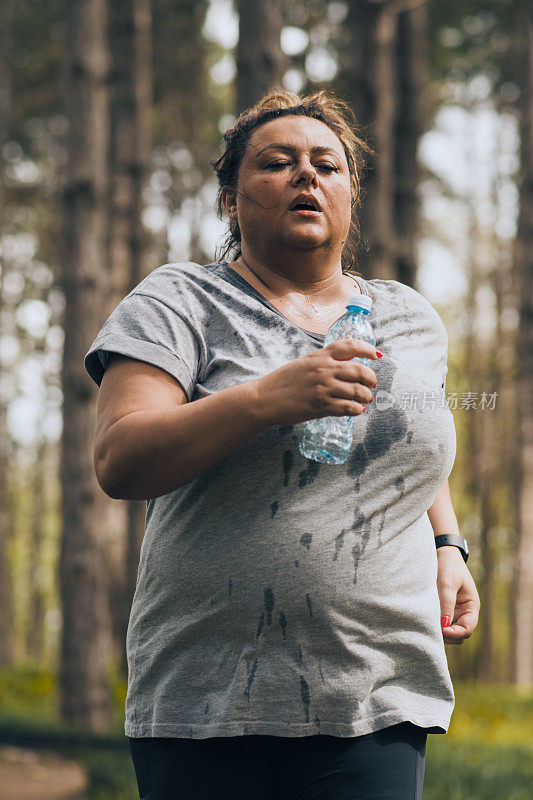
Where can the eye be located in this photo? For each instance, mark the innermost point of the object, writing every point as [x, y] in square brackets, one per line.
[277, 165]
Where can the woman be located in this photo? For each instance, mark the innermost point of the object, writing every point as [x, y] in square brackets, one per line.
[285, 637]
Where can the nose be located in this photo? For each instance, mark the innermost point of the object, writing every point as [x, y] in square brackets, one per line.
[307, 172]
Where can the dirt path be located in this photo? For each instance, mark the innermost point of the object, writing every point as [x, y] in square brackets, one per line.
[38, 775]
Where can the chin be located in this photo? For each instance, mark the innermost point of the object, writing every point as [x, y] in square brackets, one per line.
[308, 244]
[305, 240]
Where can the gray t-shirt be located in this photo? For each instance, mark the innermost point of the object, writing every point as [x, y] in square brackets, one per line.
[276, 595]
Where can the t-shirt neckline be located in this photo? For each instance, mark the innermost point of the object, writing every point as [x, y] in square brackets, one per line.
[232, 276]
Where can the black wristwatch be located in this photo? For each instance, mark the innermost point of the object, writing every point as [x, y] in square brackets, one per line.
[444, 539]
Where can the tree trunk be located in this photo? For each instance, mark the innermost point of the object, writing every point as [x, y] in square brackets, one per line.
[6, 588]
[509, 399]
[411, 121]
[6, 527]
[84, 696]
[382, 75]
[6, 583]
[477, 444]
[367, 83]
[460, 660]
[6, 42]
[131, 110]
[187, 113]
[261, 62]
[486, 447]
[505, 446]
[383, 263]
[524, 260]
[35, 630]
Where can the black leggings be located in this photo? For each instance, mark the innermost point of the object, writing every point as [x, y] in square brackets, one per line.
[385, 765]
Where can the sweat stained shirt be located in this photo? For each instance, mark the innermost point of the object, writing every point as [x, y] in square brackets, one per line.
[276, 595]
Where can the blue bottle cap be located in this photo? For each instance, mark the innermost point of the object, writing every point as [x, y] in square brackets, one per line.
[360, 301]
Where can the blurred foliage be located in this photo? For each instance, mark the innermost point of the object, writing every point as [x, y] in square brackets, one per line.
[37, 37]
[495, 714]
[473, 37]
[469, 770]
[19, 549]
[187, 105]
[28, 691]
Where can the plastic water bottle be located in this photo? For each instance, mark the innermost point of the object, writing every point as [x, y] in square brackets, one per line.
[329, 439]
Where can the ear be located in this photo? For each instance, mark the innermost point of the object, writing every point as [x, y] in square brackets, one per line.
[229, 198]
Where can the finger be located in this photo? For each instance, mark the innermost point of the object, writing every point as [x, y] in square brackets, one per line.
[455, 634]
[448, 599]
[461, 628]
[352, 391]
[356, 408]
[346, 408]
[345, 349]
[356, 372]
[467, 620]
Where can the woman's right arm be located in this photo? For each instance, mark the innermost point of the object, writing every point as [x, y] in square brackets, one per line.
[150, 440]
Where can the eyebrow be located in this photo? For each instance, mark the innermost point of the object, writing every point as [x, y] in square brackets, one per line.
[289, 148]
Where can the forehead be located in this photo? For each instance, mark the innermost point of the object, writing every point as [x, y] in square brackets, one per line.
[301, 132]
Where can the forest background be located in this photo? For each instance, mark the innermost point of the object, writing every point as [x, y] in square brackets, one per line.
[110, 114]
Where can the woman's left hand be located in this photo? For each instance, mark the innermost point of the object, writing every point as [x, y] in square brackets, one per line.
[459, 599]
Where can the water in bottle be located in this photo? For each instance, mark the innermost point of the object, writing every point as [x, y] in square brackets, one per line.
[329, 439]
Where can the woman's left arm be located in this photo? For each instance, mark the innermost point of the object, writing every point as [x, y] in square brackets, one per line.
[459, 599]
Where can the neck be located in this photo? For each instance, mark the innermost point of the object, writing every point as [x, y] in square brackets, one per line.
[299, 274]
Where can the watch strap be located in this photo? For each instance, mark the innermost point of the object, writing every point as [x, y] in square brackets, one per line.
[446, 539]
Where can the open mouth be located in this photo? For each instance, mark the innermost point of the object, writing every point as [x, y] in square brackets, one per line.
[305, 209]
[305, 205]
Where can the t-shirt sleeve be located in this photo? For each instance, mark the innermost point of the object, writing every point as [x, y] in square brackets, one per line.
[145, 328]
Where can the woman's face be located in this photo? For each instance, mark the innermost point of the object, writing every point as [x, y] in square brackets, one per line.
[284, 158]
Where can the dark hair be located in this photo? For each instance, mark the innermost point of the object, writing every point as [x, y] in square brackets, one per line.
[334, 113]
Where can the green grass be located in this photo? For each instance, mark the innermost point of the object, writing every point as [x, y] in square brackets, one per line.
[486, 755]
[476, 771]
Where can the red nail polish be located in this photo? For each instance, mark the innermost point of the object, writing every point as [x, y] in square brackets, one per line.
[374, 386]
[371, 397]
[379, 353]
[364, 408]
[445, 622]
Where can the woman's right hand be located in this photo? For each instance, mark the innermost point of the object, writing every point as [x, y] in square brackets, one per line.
[324, 383]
